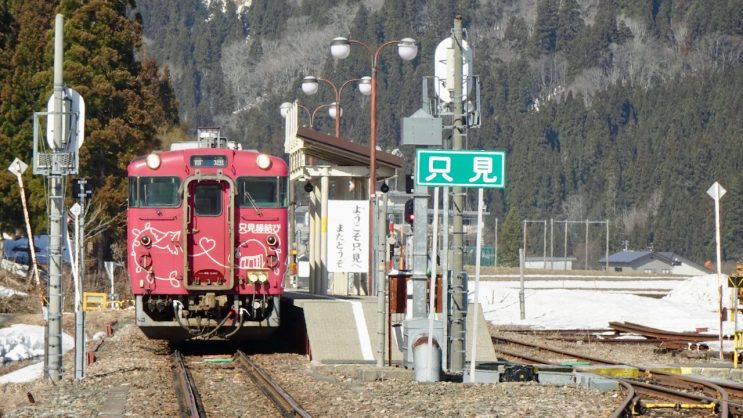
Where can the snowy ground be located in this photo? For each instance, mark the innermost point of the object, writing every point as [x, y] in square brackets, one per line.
[691, 304]
[21, 342]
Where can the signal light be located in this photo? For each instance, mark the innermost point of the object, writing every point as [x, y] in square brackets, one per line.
[409, 211]
[81, 186]
[409, 184]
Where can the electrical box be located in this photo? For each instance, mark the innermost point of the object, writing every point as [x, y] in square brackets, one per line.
[422, 129]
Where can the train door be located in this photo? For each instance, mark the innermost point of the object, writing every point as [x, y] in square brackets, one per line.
[209, 233]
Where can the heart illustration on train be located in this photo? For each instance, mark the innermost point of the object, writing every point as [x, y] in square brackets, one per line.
[207, 244]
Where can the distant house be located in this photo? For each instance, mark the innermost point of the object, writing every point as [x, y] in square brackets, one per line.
[653, 262]
[549, 263]
[18, 250]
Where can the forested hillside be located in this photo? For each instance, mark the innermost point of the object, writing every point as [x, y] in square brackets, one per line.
[626, 110]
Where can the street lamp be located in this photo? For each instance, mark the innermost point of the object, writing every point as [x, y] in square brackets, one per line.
[310, 86]
[284, 109]
[333, 111]
[340, 48]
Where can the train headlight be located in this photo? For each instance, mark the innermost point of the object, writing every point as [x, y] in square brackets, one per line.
[263, 161]
[262, 277]
[153, 161]
[252, 277]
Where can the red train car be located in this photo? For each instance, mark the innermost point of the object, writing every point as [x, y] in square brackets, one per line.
[207, 240]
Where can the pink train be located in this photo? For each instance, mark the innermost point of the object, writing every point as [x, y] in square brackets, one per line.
[207, 240]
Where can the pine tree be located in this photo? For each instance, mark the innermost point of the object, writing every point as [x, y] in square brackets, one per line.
[544, 37]
[511, 239]
[127, 102]
[570, 25]
[516, 32]
[23, 91]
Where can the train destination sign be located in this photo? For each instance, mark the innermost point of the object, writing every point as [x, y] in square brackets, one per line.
[460, 168]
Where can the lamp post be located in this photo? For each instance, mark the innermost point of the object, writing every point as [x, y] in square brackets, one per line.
[284, 109]
[310, 86]
[340, 48]
[286, 106]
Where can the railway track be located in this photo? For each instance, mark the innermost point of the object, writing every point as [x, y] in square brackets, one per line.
[724, 399]
[218, 376]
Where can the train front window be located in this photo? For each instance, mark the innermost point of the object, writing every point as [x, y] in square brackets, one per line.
[263, 192]
[207, 199]
[150, 192]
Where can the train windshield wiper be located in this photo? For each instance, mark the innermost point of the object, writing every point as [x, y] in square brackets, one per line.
[253, 204]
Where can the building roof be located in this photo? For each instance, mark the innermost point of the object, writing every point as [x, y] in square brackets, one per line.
[342, 151]
[628, 257]
[539, 258]
[625, 256]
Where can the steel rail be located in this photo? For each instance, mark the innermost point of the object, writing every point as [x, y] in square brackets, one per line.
[189, 401]
[509, 353]
[672, 394]
[661, 334]
[721, 388]
[554, 350]
[283, 401]
[626, 408]
[587, 335]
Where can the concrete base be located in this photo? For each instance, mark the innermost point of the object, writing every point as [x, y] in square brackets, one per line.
[595, 381]
[335, 330]
[556, 378]
[345, 330]
[481, 376]
[366, 373]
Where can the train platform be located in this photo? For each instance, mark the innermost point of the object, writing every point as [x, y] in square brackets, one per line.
[345, 329]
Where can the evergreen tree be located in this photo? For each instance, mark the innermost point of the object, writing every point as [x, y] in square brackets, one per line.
[126, 103]
[25, 55]
[511, 239]
[516, 32]
[570, 25]
[544, 37]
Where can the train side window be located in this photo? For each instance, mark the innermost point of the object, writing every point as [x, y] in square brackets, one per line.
[207, 199]
[133, 199]
[158, 192]
[266, 192]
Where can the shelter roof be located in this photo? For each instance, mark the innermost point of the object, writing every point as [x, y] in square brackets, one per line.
[340, 151]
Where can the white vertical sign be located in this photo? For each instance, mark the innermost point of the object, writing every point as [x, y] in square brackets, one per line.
[716, 192]
[348, 236]
[17, 167]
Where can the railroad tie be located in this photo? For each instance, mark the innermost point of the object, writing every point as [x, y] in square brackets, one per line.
[115, 404]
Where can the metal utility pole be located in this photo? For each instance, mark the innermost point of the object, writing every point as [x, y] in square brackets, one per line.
[65, 127]
[291, 276]
[495, 252]
[381, 283]
[459, 278]
[78, 210]
[420, 251]
[56, 201]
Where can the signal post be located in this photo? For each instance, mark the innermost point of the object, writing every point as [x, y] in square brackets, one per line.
[65, 121]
